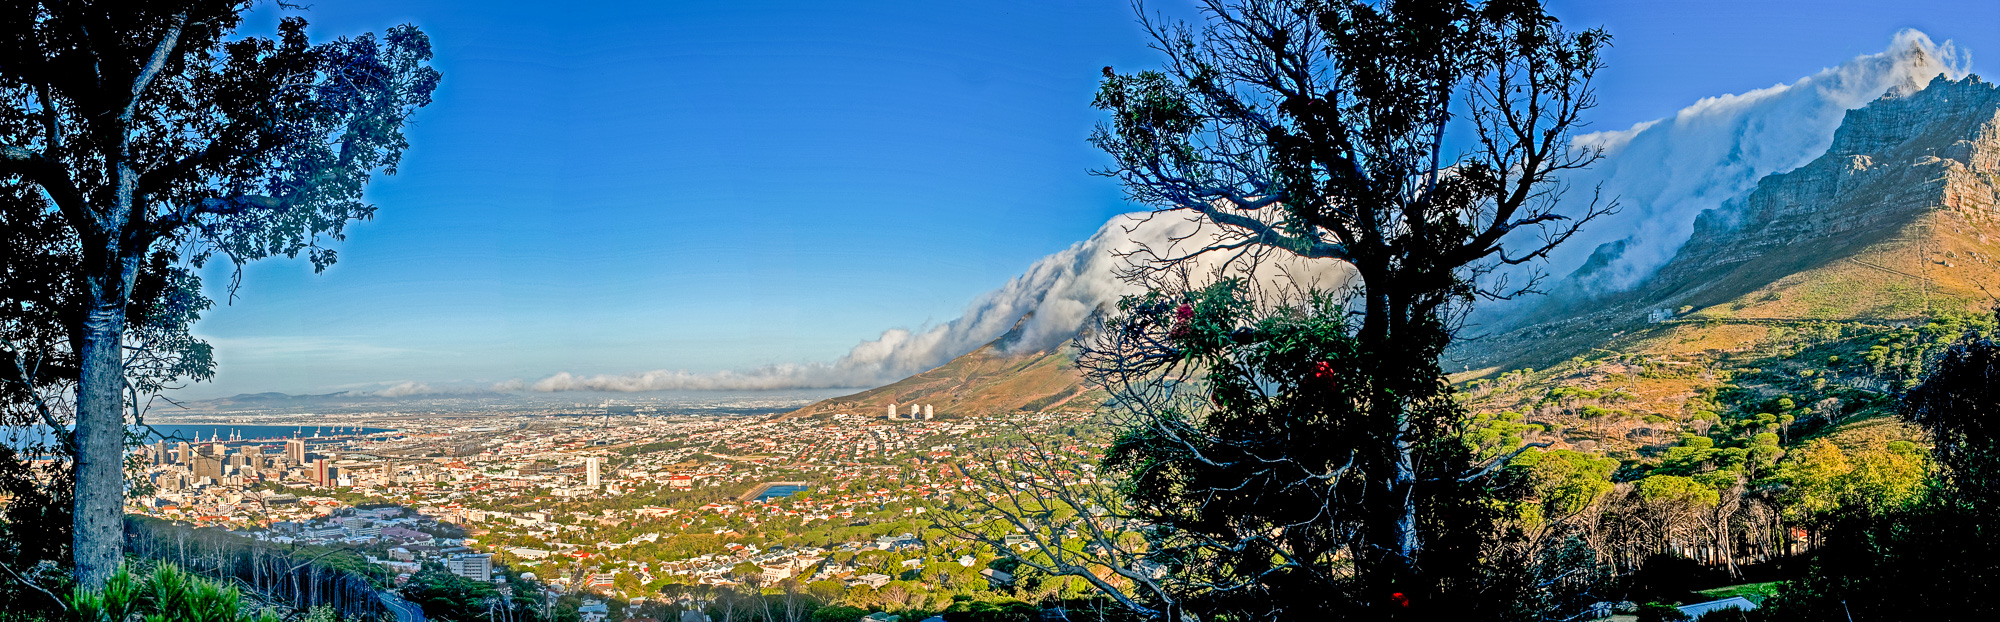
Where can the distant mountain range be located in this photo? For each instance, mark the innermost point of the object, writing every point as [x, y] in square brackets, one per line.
[343, 400]
[1778, 293]
[661, 402]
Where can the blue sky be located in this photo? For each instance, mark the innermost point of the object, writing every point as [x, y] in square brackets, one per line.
[604, 189]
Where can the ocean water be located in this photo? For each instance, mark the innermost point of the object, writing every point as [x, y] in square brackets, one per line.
[253, 432]
[18, 436]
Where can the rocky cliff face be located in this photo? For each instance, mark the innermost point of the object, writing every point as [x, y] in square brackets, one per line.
[1937, 148]
[1900, 218]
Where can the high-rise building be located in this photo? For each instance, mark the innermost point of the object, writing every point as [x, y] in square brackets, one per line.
[208, 466]
[892, 410]
[185, 455]
[295, 451]
[927, 412]
[590, 471]
[218, 449]
[162, 454]
[322, 472]
[475, 567]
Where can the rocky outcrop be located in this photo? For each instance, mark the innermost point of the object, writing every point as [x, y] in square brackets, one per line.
[1937, 148]
[1909, 185]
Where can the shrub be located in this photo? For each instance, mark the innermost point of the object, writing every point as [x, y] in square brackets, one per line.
[1660, 612]
[167, 594]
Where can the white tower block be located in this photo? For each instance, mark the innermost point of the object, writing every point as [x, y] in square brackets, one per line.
[892, 410]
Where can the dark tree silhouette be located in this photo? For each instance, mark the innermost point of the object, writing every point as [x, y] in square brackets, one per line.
[145, 127]
[1938, 558]
[1300, 457]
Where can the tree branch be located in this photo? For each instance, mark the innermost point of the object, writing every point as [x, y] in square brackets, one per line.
[1501, 461]
[50, 176]
[161, 52]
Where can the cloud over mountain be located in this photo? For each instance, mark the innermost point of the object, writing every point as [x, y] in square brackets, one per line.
[1663, 172]
[1666, 171]
[1062, 290]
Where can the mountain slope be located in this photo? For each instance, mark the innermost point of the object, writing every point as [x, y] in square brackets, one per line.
[1895, 221]
[1797, 309]
[1823, 288]
[988, 380]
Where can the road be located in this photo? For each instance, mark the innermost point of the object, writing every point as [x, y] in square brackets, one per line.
[406, 611]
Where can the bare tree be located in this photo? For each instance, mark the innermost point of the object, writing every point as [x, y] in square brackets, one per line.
[1067, 524]
[1302, 456]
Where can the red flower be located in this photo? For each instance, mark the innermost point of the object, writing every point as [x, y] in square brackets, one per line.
[1400, 600]
[1323, 371]
[1183, 316]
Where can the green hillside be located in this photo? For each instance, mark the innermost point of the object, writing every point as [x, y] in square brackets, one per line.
[1799, 313]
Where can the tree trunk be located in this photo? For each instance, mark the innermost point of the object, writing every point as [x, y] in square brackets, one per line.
[1404, 487]
[100, 420]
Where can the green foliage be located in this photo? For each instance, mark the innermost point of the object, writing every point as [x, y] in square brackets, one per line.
[1755, 592]
[838, 613]
[1493, 434]
[1660, 612]
[167, 594]
[1286, 395]
[36, 523]
[1674, 489]
[228, 145]
[1564, 482]
[1899, 545]
[1820, 478]
[982, 611]
[1693, 455]
[448, 597]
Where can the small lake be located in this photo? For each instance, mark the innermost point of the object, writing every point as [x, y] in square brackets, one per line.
[780, 491]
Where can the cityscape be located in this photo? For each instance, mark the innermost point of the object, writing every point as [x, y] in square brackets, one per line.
[616, 507]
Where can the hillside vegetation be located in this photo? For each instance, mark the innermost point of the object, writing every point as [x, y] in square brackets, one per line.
[1798, 309]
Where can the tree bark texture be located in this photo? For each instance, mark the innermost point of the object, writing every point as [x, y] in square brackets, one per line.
[97, 542]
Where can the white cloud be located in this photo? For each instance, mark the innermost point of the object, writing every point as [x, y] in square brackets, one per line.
[1666, 171]
[405, 389]
[1063, 291]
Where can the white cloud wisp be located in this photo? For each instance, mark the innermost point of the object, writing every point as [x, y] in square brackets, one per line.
[1062, 290]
